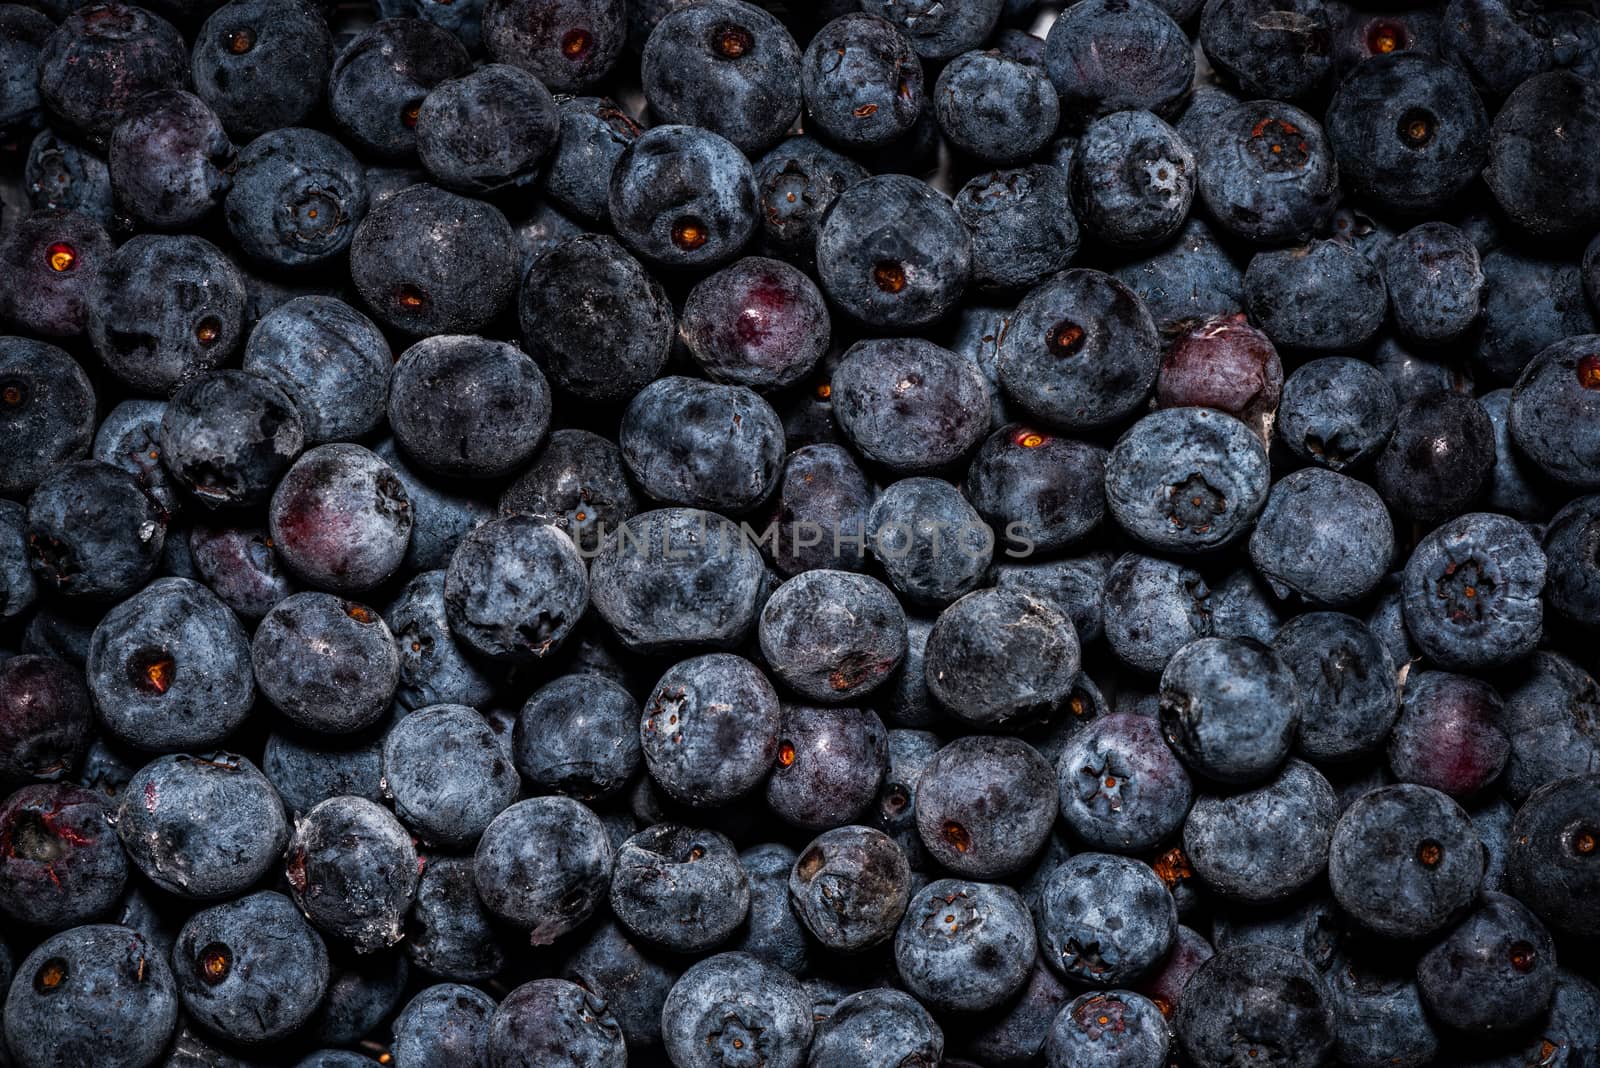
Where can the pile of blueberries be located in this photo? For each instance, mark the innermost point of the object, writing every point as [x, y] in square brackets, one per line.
[540, 534]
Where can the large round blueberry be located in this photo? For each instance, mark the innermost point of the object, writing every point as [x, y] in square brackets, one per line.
[1257, 1005]
[297, 197]
[353, 871]
[985, 805]
[325, 663]
[1120, 786]
[679, 887]
[999, 657]
[1230, 707]
[1105, 920]
[514, 590]
[1471, 591]
[543, 865]
[964, 946]
[701, 444]
[1323, 536]
[732, 1009]
[710, 729]
[683, 197]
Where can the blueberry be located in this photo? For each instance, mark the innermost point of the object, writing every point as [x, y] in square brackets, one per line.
[228, 436]
[447, 774]
[1309, 924]
[1152, 608]
[1267, 173]
[1440, 457]
[514, 590]
[98, 994]
[1550, 412]
[567, 44]
[965, 946]
[1191, 277]
[1499, 45]
[1268, 48]
[441, 514]
[796, 182]
[758, 323]
[1230, 707]
[1471, 591]
[56, 259]
[577, 484]
[60, 862]
[592, 131]
[505, 99]
[381, 77]
[1105, 920]
[893, 254]
[445, 1024]
[683, 197]
[297, 199]
[1435, 282]
[18, 588]
[340, 519]
[830, 762]
[1553, 859]
[103, 57]
[353, 871]
[1323, 536]
[579, 735]
[1405, 861]
[677, 579]
[601, 326]
[262, 64]
[449, 933]
[1409, 132]
[992, 107]
[556, 1023]
[820, 505]
[1529, 304]
[1495, 971]
[1337, 412]
[832, 636]
[543, 865]
[1260, 1003]
[1264, 844]
[1115, 55]
[1529, 162]
[850, 888]
[45, 718]
[1038, 487]
[61, 175]
[1000, 657]
[1449, 734]
[862, 83]
[1552, 717]
[1133, 179]
[679, 887]
[325, 663]
[1346, 679]
[146, 335]
[1381, 1018]
[1120, 1029]
[1081, 351]
[1321, 297]
[250, 970]
[433, 668]
[1017, 1033]
[1120, 787]
[47, 409]
[702, 445]
[1022, 231]
[984, 806]
[731, 1009]
[170, 160]
[879, 1028]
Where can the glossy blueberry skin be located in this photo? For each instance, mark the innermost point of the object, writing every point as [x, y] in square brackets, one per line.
[1379, 861]
[146, 336]
[1241, 846]
[353, 871]
[447, 773]
[558, 1023]
[50, 297]
[1119, 1029]
[429, 262]
[48, 412]
[330, 360]
[680, 888]
[683, 198]
[1282, 51]
[850, 887]
[993, 108]
[1152, 608]
[434, 669]
[99, 992]
[598, 322]
[202, 827]
[445, 1024]
[759, 323]
[519, 620]
[677, 579]
[1551, 709]
[820, 492]
[1435, 283]
[383, 74]
[60, 862]
[250, 970]
[730, 1008]
[1115, 55]
[1494, 972]
[880, 1028]
[893, 254]
[1022, 230]
[832, 636]
[1550, 411]
[591, 133]
[1080, 353]
[340, 519]
[1323, 536]
[1337, 412]
[1133, 179]
[1230, 708]
[1440, 457]
[1409, 132]
[796, 182]
[503, 98]
[1105, 920]
[829, 763]
[1187, 479]
[1471, 592]
[1222, 362]
[579, 736]
[326, 664]
[701, 444]
[1120, 787]
[1527, 159]
[169, 668]
[296, 200]
[169, 159]
[262, 65]
[909, 404]
[543, 865]
[1000, 657]
[1190, 277]
[862, 82]
[1449, 734]
[1552, 862]
[61, 175]
[1346, 680]
[103, 57]
[1259, 998]
[1317, 298]
[985, 805]
[449, 933]
[569, 45]
[634, 982]
[725, 66]
[228, 436]
[1260, 195]
[976, 959]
